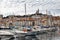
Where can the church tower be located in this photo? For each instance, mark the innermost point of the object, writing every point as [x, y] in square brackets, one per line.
[37, 12]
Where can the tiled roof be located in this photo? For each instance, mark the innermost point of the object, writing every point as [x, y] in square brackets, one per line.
[28, 19]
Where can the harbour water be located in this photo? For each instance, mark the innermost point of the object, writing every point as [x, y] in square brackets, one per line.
[49, 36]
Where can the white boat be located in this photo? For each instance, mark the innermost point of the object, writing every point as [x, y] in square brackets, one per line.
[5, 34]
[38, 28]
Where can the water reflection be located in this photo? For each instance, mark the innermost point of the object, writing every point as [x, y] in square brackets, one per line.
[48, 36]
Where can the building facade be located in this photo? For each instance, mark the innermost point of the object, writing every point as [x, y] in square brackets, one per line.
[38, 19]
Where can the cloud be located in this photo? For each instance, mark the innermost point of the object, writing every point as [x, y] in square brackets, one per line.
[8, 7]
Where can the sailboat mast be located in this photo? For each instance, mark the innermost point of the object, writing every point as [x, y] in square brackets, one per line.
[47, 17]
[25, 14]
[25, 8]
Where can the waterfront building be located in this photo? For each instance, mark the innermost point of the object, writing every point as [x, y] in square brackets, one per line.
[37, 19]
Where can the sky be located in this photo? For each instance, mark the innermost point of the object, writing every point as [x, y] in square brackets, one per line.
[17, 7]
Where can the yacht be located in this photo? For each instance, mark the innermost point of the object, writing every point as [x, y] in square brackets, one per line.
[8, 33]
[43, 29]
[5, 34]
